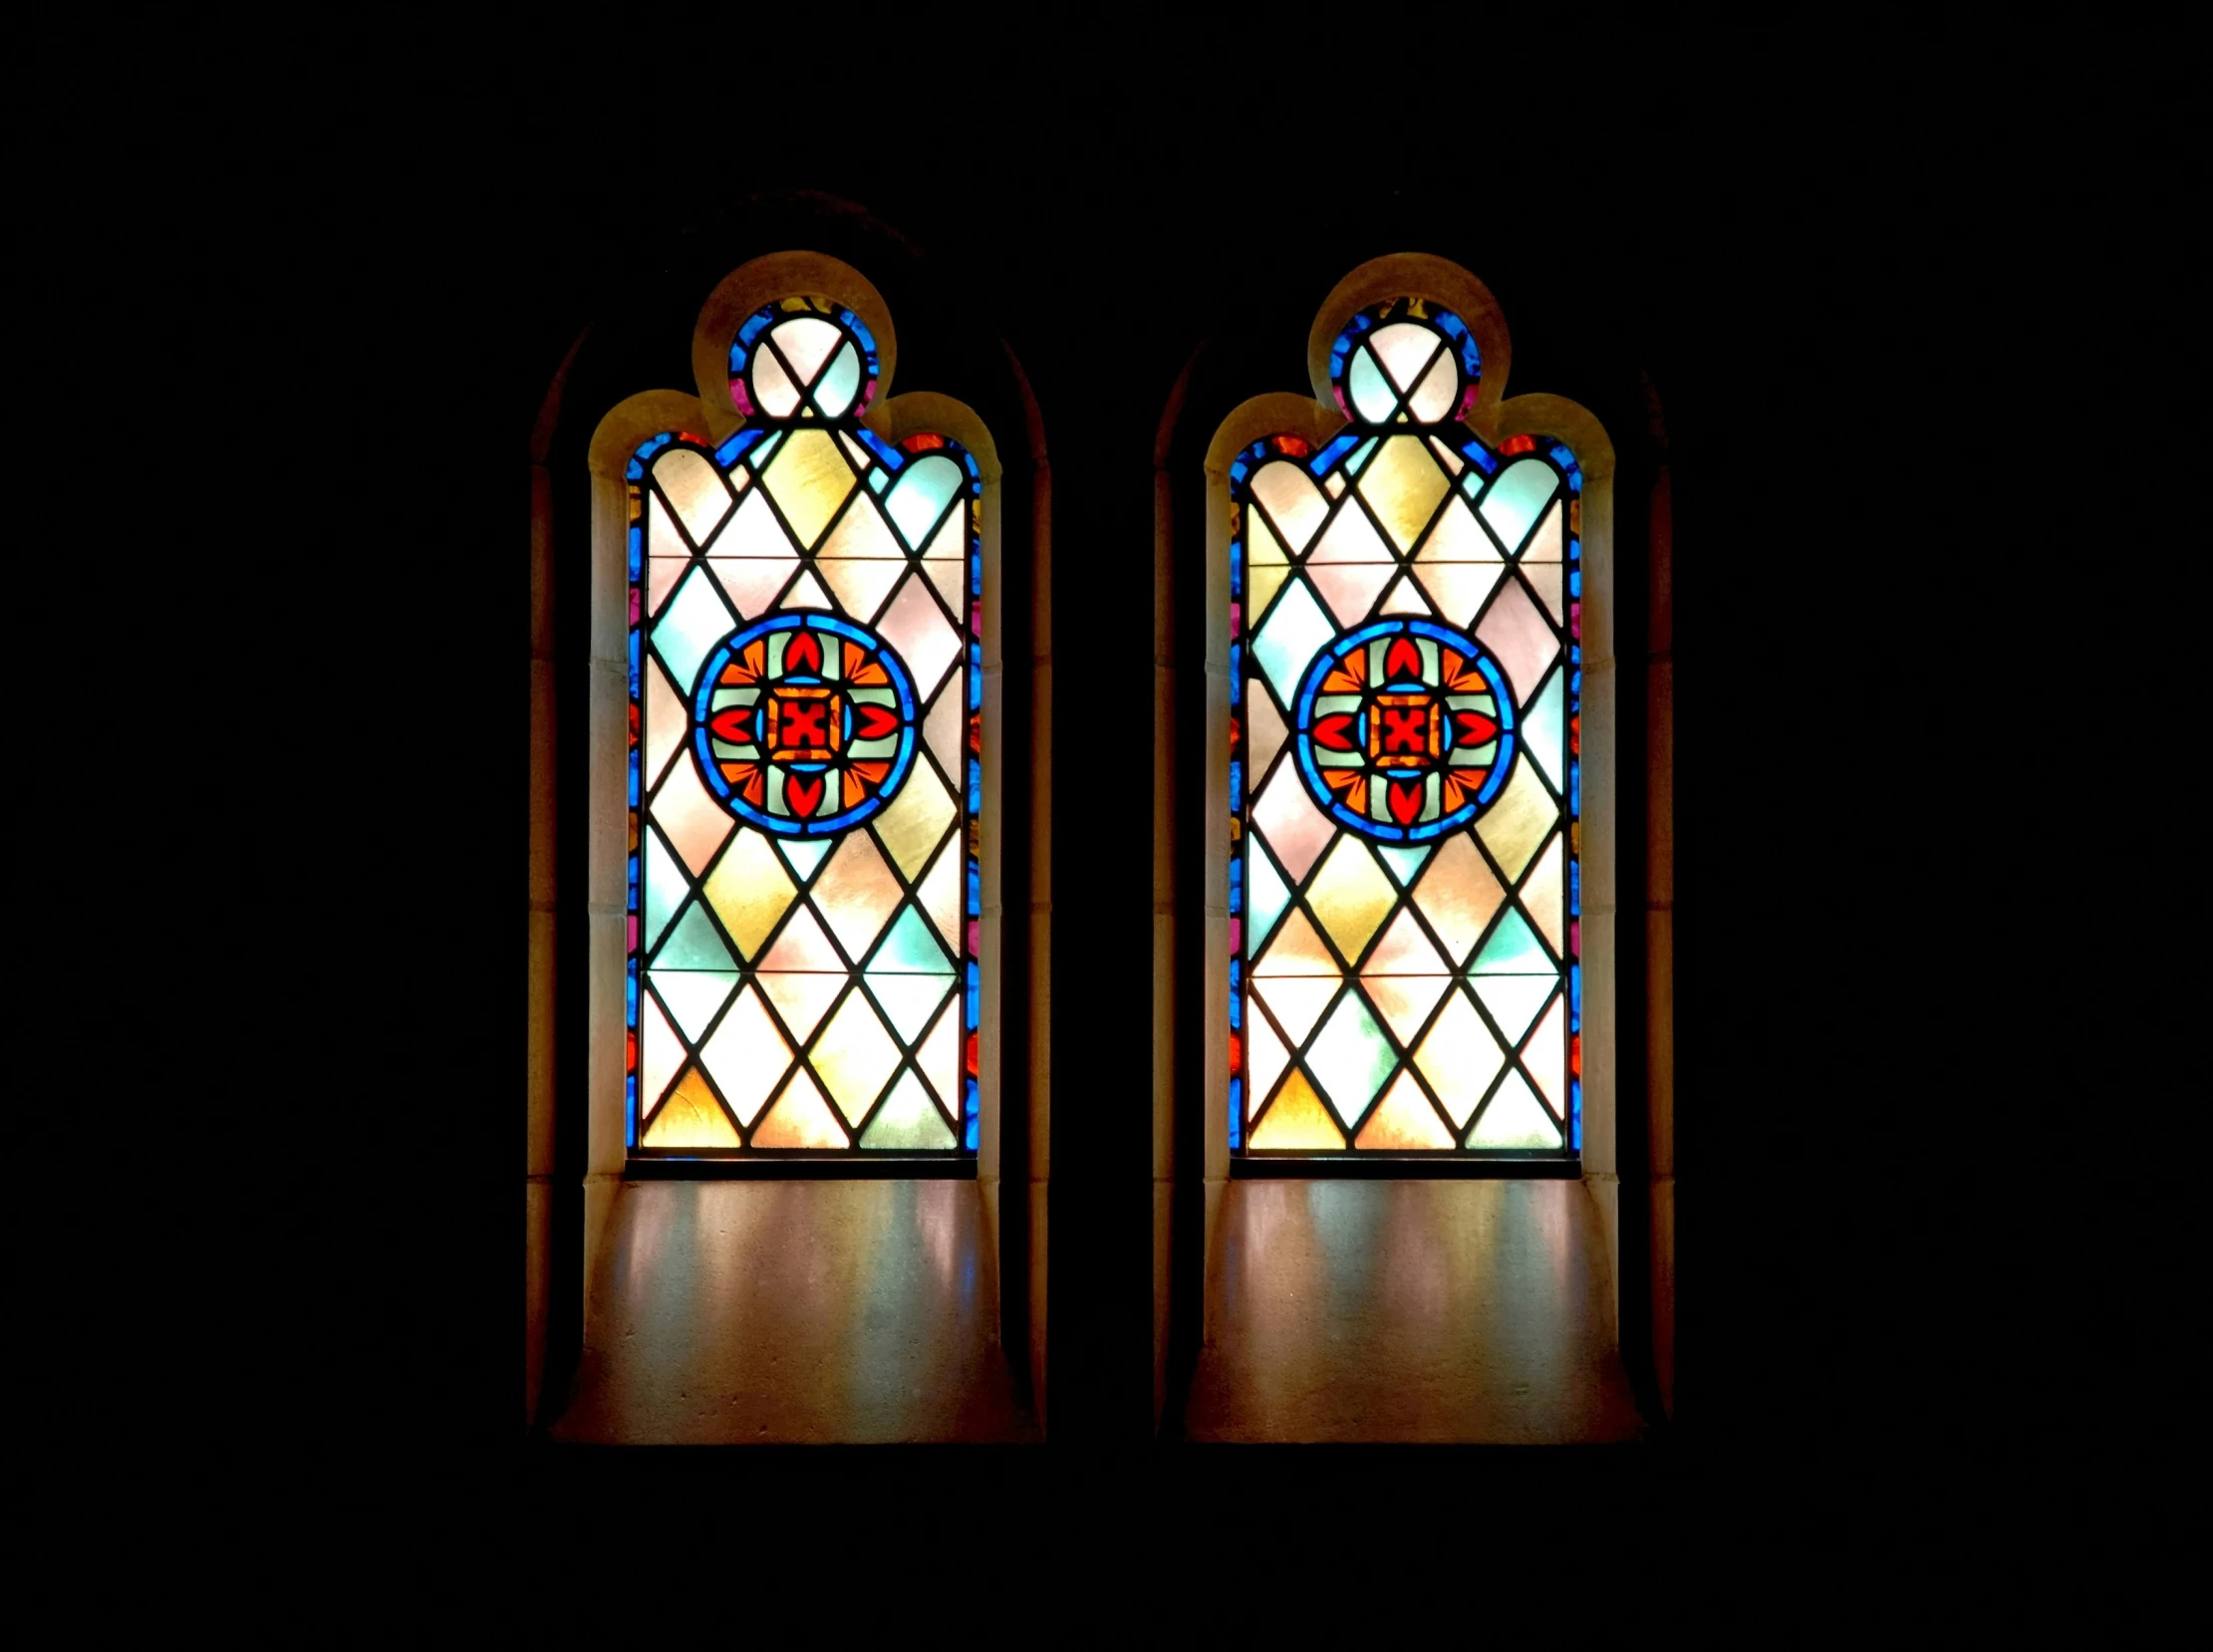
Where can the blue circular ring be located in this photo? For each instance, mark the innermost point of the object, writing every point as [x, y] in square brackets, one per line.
[901, 762]
[1302, 726]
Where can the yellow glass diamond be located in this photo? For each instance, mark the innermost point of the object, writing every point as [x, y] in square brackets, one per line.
[1402, 485]
[808, 480]
[1351, 896]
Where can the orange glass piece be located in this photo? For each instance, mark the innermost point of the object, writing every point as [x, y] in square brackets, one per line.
[691, 1117]
[1404, 1121]
[1297, 1120]
[801, 1118]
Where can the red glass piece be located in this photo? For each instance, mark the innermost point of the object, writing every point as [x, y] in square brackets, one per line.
[732, 725]
[924, 442]
[803, 793]
[802, 654]
[1405, 800]
[874, 722]
[1518, 445]
[1336, 731]
[1474, 727]
[1402, 659]
[1405, 728]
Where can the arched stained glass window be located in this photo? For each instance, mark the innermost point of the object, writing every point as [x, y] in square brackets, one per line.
[804, 781]
[1406, 694]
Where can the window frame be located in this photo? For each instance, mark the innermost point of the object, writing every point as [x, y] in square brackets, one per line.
[710, 412]
[1494, 418]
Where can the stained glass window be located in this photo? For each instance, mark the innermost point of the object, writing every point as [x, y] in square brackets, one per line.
[1405, 724]
[805, 780]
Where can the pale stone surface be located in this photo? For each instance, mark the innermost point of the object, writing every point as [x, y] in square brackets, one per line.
[541, 563]
[989, 1039]
[733, 1312]
[1605, 1190]
[607, 851]
[1164, 1204]
[1038, 1249]
[1600, 696]
[536, 1272]
[1163, 1043]
[1659, 1036]
[543, 777]
[1471, 1311]
[1600, 1046]
[1040, 1044]
[1663, 1287]
[605, 1151]
[539, 1153]
[1659, 808]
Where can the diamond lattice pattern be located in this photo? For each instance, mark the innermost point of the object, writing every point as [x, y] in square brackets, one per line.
[1410, 997]
[799, 994]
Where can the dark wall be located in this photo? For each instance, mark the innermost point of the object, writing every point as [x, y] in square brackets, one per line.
[1756, 264]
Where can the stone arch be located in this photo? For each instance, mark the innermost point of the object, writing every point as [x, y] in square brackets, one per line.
[579, 641]
[1191, 572]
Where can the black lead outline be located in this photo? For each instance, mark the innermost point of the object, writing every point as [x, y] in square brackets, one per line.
[956, 832]
[1512, 1050]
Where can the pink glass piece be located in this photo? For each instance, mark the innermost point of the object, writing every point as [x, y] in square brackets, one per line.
[694, 823]
[938, 1056]
[804, 947]
[666, 722]
[1545, 1054]
[801, 997]
[1349, 586]
[1520, 636]
[801, 1118]
[1295, 830]
[915, 628]
[1290, 497]
[661, 574]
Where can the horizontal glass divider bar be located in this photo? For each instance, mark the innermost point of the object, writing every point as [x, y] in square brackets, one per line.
[1405, 1167]
[832, 1164]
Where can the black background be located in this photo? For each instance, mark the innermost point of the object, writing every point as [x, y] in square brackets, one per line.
[1887, 302]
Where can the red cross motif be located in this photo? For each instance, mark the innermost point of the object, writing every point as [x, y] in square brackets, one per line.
[1405, 729]
[802, 722]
